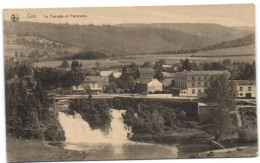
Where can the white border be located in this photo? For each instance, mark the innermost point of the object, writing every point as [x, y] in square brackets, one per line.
[106, 3]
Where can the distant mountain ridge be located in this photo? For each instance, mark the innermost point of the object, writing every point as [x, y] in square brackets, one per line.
[131, 38]
[244, 41]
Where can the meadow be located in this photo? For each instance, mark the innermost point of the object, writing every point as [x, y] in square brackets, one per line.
[245, 53]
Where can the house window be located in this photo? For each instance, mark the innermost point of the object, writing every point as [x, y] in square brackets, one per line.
[199, 91]
[249, 88]
[205, 78]
[193, 78]
[241, 94]
[193, 91]
[199, 84]
[241, 88]
[193, 84]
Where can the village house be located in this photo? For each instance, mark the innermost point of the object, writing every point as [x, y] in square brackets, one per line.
[167, 67]
[146, 86]
[78, 89]
[95, 83]
[193, 83]
[245, 88]
[146, 73]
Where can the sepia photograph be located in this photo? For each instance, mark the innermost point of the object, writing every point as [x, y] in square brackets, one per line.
[130, 83]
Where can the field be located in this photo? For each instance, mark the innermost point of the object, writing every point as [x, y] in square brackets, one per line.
[245, 53]
[11, 48]
[85, 63]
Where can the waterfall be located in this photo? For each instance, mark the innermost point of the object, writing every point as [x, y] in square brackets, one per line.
[118, 130]
[78, 131]
[113, 145]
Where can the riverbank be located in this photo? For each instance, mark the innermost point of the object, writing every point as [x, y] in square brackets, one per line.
[34, 151]
[194, 143]
[243, 151]
[189, 142]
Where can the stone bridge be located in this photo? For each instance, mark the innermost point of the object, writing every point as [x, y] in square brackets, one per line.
[63, 105]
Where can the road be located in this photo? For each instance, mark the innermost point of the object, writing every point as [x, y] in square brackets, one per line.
[109, 96]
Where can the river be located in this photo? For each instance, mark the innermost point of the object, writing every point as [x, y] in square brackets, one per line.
[115, 145]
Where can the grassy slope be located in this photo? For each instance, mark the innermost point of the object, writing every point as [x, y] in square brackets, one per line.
[213, 32]
[31, 150]
[130, 40]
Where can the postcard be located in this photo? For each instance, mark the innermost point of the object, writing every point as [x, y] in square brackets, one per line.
[130, 83]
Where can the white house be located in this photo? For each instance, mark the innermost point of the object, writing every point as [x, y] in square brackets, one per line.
[245, 88]
[148, 85]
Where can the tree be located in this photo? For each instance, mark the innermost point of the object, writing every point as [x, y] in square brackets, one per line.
[147, 64]
[159, 76]
[112, 84]
[185, 65]
[248, 72]
[157, 67]
[75, 65]
[221, 93]
[65, 64]
[77, 78]
[97, 64]
[16, 54]
[158, 71]
[162, 62]
[226, 62]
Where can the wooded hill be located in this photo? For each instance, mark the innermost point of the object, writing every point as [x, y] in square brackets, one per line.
[131, 38]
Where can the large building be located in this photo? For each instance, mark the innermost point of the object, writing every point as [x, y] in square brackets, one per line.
[192, 83]
[245, 88]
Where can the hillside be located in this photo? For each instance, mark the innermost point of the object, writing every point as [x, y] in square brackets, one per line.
[244, 41]
[127, 39]
[213, 32]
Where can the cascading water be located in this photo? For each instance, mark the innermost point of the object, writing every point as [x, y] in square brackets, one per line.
[115, 145]
[78, 131]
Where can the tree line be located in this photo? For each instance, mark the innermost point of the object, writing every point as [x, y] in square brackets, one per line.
[27, 112]
[89, 55]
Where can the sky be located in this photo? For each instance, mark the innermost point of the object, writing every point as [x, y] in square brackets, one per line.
[227, 15]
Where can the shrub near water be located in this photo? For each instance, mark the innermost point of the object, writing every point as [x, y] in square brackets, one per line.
[150, 118]
[96, 113]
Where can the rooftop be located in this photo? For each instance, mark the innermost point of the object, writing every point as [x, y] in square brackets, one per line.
[203, 72]
[167, 82]
[146, 70]
[244, 82]
[143, 80]
[168, 75]
[105, 73]
[95, 78]
[166, 66]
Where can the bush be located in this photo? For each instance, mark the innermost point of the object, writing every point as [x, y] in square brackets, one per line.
[54, 133]
[191, 124]
[247, 134]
